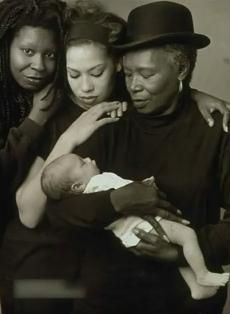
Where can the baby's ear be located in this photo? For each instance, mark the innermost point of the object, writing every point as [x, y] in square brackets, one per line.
[77, 188]
[149, 181]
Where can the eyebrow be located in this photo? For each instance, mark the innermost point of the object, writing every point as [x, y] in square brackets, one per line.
[141, 68]
[93, 68]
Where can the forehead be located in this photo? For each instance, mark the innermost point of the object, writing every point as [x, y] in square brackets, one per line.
[146, 58]
[35, 35]
[86, 55]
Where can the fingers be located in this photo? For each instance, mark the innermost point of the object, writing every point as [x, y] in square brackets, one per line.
[125, 106]
[207, 115]
[104, 121]
[157, 227]
[223, 108]
[163, 203]
[135, 251]
[170, 216]
[149, 239]
[105, 107]
[118, 112]
[114, 109]
[226, 119]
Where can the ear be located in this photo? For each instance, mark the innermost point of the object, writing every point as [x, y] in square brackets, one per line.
[118, 66]
[77, 188]
[183, 70]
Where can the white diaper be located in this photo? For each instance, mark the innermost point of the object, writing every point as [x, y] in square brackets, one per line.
[123, 229]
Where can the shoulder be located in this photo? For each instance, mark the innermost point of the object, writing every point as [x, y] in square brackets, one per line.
[193, 115]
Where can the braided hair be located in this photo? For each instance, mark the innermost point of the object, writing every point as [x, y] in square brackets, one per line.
[15, 103]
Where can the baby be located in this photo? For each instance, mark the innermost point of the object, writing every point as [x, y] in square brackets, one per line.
[71, 174]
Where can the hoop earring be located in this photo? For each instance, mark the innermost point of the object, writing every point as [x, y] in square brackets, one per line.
[180, 86]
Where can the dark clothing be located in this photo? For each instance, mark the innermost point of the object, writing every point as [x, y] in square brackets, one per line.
[14, 163]
[190, 163]
[15, 159]
[43, 252]
[35, 253]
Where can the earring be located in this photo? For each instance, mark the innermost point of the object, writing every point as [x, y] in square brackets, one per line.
[180, 86]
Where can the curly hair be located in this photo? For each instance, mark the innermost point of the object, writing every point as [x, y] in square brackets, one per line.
[182, 54]
[14, 14]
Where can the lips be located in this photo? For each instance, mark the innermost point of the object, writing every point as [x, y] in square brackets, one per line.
[139, 100]
[88, 99]
[35, 78]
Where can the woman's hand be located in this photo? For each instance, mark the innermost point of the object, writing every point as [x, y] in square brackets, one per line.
[89, 121]
[123, 106]
[140, 199]
[207, 104]
[155, 247]
[45, 104]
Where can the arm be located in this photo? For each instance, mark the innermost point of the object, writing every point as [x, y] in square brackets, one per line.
[101, 208]
[207, 104]
[18, 152]
[214, 238]
[30, 198]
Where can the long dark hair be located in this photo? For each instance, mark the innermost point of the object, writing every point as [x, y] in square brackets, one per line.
[15, 103]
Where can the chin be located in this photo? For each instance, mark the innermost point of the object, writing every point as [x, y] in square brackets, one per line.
[34, 88]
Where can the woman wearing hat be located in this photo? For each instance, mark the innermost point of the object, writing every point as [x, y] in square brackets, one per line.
[138, 145]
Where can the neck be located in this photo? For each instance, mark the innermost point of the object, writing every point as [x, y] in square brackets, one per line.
[170, 106]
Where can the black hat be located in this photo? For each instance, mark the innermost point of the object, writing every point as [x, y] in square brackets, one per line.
[160, 23]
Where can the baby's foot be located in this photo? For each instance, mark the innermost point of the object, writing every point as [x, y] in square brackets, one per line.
[213, 279]
[203, 292]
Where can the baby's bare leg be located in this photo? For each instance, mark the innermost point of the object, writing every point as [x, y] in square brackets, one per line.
[186, 237]
[198, 292]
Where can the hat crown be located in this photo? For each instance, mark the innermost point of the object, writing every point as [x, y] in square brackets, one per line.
[159, 18]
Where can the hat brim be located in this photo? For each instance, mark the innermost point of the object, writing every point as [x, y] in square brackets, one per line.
[198, 41]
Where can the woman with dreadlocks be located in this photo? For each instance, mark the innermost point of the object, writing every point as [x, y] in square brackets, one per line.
[30, 37]
[30, 63]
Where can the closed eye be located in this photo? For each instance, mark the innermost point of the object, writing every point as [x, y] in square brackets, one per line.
[96, 73]
[73, 75]
[128, 74]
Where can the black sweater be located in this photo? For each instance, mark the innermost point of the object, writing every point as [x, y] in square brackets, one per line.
[189, 160]
[15, 158]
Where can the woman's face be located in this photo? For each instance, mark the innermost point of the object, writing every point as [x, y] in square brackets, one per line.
[151, 79]
[90, 74]
[33, 57]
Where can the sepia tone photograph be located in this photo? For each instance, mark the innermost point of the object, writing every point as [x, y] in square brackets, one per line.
[114, 157]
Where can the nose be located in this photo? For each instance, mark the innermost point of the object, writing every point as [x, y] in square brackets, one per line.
[38, 63]
[135, 84]
[87, 160]
[86, 84]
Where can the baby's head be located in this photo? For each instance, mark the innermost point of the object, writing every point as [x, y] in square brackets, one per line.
[68, 174]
